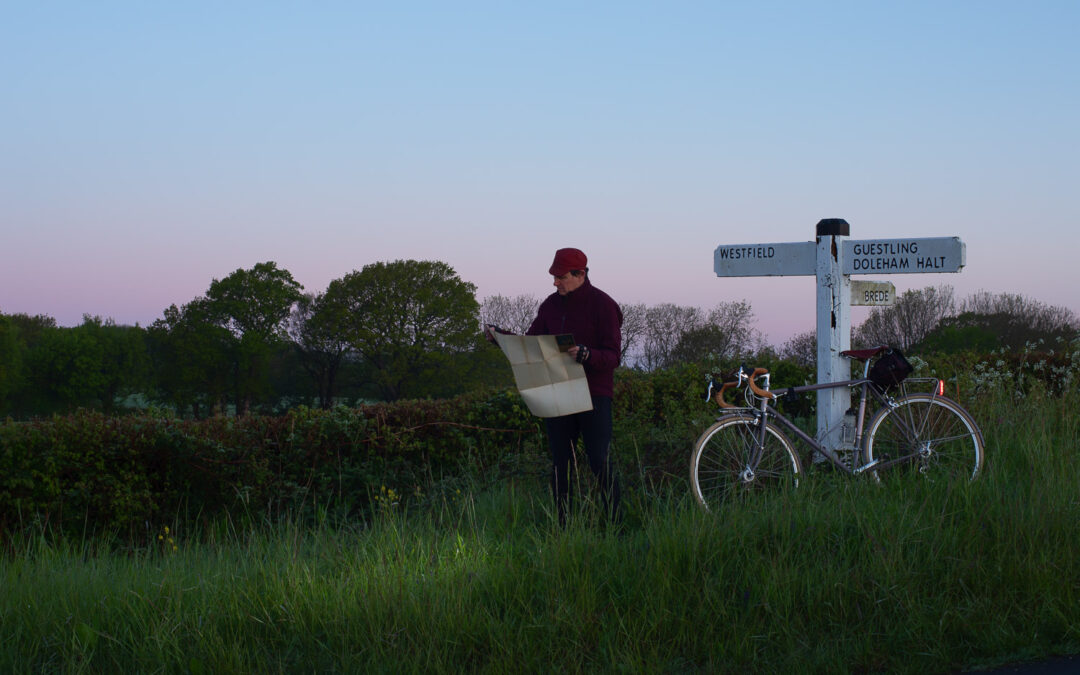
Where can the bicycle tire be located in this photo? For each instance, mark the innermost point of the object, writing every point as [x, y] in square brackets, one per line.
[943, 439]
[719, 461]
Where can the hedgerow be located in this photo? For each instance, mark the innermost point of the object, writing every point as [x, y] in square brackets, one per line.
[88, 472]
[91, 472]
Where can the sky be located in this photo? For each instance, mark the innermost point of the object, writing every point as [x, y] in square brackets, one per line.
[149, 148]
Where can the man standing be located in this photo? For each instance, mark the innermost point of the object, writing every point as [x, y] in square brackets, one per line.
[595, 321]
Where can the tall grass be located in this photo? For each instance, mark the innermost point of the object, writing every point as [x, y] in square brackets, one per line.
[838, 576]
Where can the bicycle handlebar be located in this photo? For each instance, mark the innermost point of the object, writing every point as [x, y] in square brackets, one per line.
[720, 394]
[763, 393]
[738, 376]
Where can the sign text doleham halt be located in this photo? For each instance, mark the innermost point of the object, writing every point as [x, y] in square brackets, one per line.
[904, 256]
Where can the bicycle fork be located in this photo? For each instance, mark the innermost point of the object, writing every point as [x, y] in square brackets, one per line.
[757, 451]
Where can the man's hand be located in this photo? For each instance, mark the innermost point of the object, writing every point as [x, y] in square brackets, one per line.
[579, 352]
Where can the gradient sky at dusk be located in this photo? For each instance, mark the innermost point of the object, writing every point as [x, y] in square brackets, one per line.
[147, 148]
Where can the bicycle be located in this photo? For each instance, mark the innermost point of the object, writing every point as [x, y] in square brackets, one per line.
[747, 449]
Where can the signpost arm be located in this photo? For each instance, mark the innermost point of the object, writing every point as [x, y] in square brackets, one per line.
[833, 326]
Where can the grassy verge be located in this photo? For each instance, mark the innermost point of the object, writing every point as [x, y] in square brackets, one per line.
[838, 576]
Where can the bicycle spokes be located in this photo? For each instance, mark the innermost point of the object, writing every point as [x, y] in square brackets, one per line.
[931, 434]
[729, 460]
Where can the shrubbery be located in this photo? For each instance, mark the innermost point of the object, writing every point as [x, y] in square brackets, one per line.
[91, 472]
[88, 472]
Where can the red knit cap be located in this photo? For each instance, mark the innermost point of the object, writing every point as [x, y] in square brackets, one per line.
[567, 259]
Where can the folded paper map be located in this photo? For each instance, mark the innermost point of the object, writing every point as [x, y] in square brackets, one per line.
[551, 383]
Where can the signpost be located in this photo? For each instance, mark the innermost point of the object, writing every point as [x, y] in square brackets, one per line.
[833, 258]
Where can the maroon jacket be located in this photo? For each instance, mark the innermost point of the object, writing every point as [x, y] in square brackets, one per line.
[595, 321]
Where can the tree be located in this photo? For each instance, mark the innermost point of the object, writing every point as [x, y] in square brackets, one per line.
[1017, 319]
[123, 365]
[514, 314]
[318, 327]
[990, 321]
[965, 332]
[31, 328]
[24, 337]
[634, 327]
[665, 325]
[191, 357]
[407, 320]
[65, 371]
[253, 306]
[254, 302]
[801, 349]
[726, 333]
[11, 363]
[915, 314]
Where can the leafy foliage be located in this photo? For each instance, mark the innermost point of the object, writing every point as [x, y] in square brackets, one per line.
[45, 369]
[88, 470]
[409, 329]
[408, 319]
[252, 305]
[982, 331]
[110, 473]
[191, 358]
[12, 350]
[317, 328]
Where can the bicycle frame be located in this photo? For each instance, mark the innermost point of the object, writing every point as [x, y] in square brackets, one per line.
[867, 391]
[767, 410]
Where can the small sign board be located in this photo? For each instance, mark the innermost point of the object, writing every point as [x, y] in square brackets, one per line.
[766, 260]
[872, 293]
[903, 256]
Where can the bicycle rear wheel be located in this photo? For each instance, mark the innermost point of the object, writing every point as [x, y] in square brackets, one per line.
[933, 435]
[720, 464]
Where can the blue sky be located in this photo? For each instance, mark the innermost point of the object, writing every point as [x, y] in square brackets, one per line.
[148, 148]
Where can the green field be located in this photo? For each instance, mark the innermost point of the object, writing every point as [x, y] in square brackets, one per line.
[839, 575]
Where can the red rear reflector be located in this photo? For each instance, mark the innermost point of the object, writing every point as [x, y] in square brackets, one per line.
[941, 387]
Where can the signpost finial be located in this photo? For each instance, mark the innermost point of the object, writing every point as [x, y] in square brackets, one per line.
[833, 226]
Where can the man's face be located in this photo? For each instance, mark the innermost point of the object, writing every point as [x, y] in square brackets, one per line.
[568, 283]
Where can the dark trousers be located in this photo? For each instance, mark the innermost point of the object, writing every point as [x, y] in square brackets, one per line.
[594, 429]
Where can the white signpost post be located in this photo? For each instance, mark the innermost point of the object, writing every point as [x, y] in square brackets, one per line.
[833, 258]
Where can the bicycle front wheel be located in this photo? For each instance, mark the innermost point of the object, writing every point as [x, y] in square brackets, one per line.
[926, 434]
[721, 465]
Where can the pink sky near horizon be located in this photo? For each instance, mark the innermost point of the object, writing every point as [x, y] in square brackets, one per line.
[146, 151]
[783, 306]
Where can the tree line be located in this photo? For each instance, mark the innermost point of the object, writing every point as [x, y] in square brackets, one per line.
[256, 342]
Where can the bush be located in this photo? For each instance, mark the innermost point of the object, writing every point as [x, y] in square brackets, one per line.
[86, 471]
